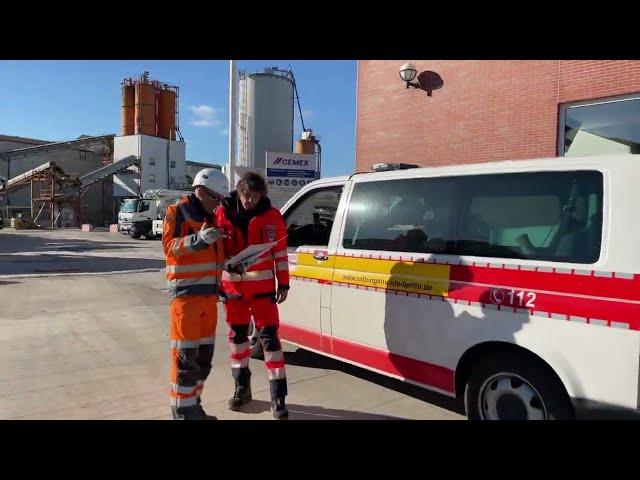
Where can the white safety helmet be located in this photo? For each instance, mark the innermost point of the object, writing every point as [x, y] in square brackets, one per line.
[213, 179]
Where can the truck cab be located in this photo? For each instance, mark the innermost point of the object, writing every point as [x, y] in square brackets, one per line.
[136, 215]
[142, 217]
[128, 208]
[142, 220]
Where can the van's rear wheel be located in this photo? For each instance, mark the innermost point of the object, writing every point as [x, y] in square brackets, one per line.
[513, 387]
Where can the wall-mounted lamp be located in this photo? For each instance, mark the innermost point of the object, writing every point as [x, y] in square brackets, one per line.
[427, 80]
[408, 72]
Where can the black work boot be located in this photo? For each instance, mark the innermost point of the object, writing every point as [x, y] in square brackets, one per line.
[203, 414]
[241, 397]
[279, 409]
[196, 412]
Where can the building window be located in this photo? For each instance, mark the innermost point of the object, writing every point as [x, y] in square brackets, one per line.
[172, 164]
[152, 161]
[152, 178]
[600, 127]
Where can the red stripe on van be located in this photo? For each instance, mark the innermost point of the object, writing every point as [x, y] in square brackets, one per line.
[305, 337]
[384, 361]
[591, 284]
[550, 303]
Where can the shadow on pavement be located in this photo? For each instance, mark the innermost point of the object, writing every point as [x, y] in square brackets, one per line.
[16, 243]
[603, 411]
[309, 412]
[48, 263]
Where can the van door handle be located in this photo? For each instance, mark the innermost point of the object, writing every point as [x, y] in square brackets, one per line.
[320, 256]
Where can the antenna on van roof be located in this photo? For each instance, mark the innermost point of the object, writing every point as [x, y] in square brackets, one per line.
[383, 167]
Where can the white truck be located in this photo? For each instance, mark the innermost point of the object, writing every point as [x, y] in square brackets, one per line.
[142, 217]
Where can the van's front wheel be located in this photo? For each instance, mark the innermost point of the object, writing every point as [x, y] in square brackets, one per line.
[512, 387]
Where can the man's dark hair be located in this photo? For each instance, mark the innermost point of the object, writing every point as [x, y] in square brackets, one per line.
[252, 182]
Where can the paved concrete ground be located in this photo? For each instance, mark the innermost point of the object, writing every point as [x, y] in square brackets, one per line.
[80, 339]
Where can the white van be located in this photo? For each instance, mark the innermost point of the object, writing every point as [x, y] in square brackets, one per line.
[514, 285]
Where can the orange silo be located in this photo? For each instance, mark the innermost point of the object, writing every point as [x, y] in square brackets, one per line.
[305, 146]
[307, 143]
[128, 109]
[145, 116]
[167, 114]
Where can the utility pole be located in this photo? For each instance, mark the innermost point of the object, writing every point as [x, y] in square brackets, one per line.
[232, 121]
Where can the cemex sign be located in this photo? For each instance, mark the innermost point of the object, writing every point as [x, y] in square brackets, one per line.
[286, 173]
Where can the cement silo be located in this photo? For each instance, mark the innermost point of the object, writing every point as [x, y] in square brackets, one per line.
[265, 116]
[149, 129]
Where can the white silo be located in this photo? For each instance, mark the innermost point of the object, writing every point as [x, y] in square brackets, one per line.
[265, 116]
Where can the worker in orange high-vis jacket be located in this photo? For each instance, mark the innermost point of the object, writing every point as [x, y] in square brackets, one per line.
[195, 255]
[249, 219]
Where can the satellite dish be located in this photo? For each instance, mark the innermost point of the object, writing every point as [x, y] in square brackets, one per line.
[430, 81]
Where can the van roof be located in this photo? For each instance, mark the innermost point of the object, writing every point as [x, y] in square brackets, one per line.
[505, 166]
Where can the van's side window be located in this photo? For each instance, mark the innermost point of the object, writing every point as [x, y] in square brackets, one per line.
[554, 216]
[538, 216]
[409, 215]
[309, 221]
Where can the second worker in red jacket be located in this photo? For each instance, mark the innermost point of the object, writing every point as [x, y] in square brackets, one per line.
[248, 218]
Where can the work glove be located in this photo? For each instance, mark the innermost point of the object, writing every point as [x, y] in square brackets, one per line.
[209, 235]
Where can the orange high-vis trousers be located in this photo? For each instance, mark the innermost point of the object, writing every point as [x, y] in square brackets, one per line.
[193, 326]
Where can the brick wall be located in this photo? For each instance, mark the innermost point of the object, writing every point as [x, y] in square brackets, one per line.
[486, 110]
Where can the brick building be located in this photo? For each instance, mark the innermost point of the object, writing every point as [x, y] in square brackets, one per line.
[497, 110]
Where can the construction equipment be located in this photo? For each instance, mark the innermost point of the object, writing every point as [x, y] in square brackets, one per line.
[22, 222]
[51, 190]
[143, 217]
[107, 170]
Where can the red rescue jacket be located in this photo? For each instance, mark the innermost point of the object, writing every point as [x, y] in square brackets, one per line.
[262, 224]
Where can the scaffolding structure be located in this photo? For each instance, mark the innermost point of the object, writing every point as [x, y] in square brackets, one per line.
[50, 189]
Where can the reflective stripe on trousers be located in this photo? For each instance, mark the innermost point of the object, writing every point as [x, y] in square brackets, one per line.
[182, 344]
[186, 282]
[276, 373]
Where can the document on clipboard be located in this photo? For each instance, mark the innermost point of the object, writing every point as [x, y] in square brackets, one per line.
[248, 256]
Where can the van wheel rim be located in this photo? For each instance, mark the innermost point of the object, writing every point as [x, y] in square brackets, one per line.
[506, 396]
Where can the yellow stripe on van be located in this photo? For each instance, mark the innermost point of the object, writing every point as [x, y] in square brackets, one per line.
[393, 275]
[308, 267]
[387, 274]
[308, 260]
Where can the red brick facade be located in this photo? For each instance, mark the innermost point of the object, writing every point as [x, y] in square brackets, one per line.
[486, 110]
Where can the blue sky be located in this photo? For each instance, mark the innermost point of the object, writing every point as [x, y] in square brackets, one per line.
[61, 100]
